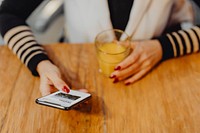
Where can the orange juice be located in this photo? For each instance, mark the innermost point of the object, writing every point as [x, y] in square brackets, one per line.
[109, 55]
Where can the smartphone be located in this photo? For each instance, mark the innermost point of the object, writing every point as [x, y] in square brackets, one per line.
[62, 100]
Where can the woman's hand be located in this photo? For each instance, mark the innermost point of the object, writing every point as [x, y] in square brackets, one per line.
[144, 56]
[50, 78]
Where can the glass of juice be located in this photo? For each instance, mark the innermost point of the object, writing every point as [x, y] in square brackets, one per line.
[112, 47]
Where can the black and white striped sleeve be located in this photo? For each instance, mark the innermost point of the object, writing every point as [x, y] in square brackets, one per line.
[180, 43]
[17, 34]
[21, 41]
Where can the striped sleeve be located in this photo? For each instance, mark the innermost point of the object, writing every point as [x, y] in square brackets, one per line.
[180, 43]
[20, 39]
[17, 34]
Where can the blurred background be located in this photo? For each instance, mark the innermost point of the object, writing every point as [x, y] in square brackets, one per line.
[47, 21]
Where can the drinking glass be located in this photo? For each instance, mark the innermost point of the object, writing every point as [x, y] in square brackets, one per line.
[112, 47]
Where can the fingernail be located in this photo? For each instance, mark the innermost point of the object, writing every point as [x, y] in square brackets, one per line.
[117, 68]
[112, 76]
[66, 89]
[128, 83]
[116, 80]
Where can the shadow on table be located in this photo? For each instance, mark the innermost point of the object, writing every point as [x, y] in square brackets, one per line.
[95, 106]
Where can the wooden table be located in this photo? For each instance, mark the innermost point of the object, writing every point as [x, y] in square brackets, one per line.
[167, 100]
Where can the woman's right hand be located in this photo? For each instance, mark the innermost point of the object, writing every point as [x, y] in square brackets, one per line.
[50, 78]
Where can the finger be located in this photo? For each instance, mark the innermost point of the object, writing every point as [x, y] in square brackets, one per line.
[137, 76]
[132, 58]
[44, 86]
[59, 83]
[50, 82]
[125, 73]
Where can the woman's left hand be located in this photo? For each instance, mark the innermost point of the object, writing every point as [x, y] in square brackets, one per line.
[144, 56]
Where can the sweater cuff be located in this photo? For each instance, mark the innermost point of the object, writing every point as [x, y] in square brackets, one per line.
[34, 61]
[8, 22]
[167, 48]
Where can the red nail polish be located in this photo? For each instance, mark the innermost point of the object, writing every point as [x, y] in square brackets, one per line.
[116, 80]
[65, 89]
[118, 68]
[112, 76]
[128, 83]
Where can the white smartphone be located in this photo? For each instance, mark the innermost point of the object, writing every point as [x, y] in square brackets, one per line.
[62, 100]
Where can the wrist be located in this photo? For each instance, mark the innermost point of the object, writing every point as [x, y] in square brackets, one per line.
[42, 66]
[158, 48]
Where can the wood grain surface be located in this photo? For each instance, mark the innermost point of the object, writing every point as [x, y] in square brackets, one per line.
[167, 100]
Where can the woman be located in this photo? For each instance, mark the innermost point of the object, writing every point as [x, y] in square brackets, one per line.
[84, 19]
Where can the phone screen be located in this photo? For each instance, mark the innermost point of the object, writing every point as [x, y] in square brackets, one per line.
[63, 100]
